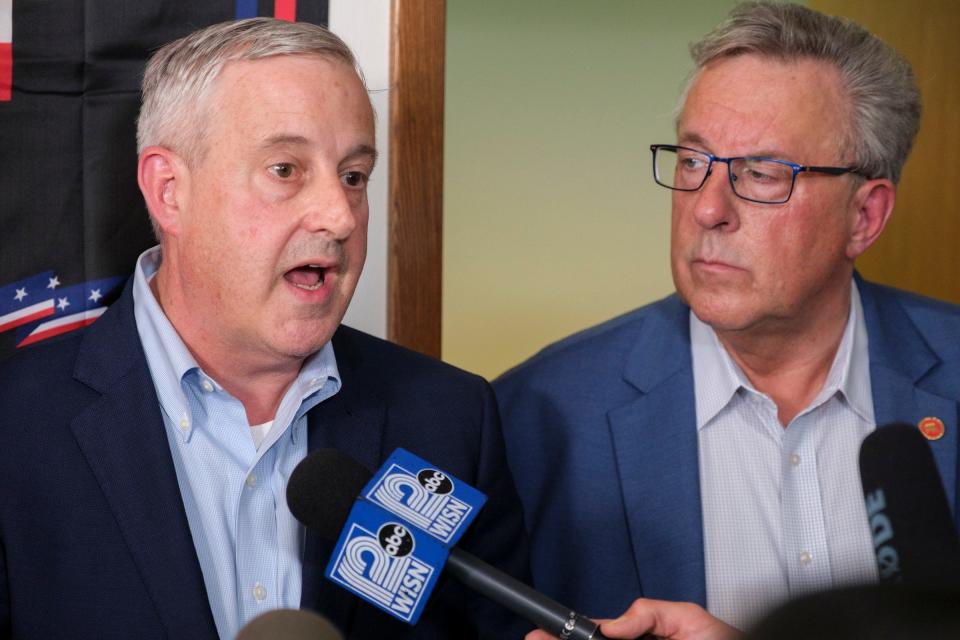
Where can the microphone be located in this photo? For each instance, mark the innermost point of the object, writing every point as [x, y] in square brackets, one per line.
[289, 624]
[913, 532]
[321, 492]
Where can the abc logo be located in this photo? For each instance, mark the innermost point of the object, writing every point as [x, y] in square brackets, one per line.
[395, 539]
[435, 481]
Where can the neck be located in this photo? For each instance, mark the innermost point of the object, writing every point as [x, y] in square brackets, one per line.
[257, 381]
[790, 363]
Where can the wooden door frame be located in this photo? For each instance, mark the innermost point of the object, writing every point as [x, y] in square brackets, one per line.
[415, 199]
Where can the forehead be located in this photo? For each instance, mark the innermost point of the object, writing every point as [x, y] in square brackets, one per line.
[298, 95]
[750, 104]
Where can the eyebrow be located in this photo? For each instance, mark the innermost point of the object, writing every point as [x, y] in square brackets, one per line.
[283, 138]
[361, 151]
[691, 138]
[696, 139]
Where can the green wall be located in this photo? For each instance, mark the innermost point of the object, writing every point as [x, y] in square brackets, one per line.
[552, 222]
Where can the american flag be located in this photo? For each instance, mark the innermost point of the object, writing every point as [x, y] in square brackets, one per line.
[74, 307]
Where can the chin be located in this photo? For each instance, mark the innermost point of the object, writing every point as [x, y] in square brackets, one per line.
[302, 345]
[721, 315]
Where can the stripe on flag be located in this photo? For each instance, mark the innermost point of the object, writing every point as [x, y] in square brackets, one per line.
[6, 51]
[285, 10]
[60, 325]
[246, 9]
[27, 300]
[27, 314]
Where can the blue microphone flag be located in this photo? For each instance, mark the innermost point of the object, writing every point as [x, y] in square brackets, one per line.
[430, 499]
[385, 561]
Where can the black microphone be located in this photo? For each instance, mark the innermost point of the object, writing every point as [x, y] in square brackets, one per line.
[321, 492]
[289, 624]
[913, 532]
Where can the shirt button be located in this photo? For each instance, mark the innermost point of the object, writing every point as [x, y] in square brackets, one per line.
[206, 386]
[251, 480]
[794, 459]
[805, 558]
[259, 592]
[184, 423]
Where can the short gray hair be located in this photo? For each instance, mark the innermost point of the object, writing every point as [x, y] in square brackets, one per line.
[180, 74]
[885, 106]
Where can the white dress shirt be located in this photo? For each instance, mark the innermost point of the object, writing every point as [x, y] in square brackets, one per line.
[783, 509]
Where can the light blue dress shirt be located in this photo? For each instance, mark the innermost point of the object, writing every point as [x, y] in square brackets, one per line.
[783, 509]
[248, 543]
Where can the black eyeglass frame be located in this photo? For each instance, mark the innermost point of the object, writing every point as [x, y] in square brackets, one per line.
[796, 168]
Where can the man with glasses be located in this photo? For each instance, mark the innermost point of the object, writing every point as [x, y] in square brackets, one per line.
[704, 448]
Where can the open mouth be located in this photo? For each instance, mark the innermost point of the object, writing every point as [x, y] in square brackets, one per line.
[308, 277]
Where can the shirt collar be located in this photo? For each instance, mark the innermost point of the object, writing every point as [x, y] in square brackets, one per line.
[171, 363]
[717, 377]
[167, 356]
[855, 381]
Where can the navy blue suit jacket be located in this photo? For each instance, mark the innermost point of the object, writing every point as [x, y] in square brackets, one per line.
[94, 540]
[602, 440]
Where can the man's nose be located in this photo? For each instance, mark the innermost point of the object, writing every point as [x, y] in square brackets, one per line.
[329, 209]
[715, 204]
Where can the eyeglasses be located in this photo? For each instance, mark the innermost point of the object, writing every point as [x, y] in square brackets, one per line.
[753, 178]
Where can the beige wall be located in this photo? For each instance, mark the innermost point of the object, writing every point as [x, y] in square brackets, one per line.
[552, 222]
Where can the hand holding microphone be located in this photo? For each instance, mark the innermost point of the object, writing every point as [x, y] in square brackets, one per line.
[913, 533]
[389, 560]
[664, 620]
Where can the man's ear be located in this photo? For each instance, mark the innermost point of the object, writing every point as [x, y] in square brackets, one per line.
[162, 176]
[872, 205]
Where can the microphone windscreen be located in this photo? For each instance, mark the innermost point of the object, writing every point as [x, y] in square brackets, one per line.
[913, 532]
[322, 489]
[289, 624]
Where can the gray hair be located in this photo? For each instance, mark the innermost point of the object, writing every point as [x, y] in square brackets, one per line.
[885, 106]
[179, 75]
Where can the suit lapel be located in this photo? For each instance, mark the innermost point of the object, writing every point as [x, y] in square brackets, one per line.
[124, 441]
[655, 440]
[900, 365]
[351, 421]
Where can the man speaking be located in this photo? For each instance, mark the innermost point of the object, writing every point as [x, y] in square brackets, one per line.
[704, 448]
[144, 463]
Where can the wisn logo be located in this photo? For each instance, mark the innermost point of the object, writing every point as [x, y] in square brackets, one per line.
[399, 532]
[386, 562]
[428, 498]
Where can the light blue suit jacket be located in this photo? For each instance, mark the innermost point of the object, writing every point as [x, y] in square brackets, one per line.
[602, 440]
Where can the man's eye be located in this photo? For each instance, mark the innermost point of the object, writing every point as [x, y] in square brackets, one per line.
[354, 179]
[759, 176]
[282, 170]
